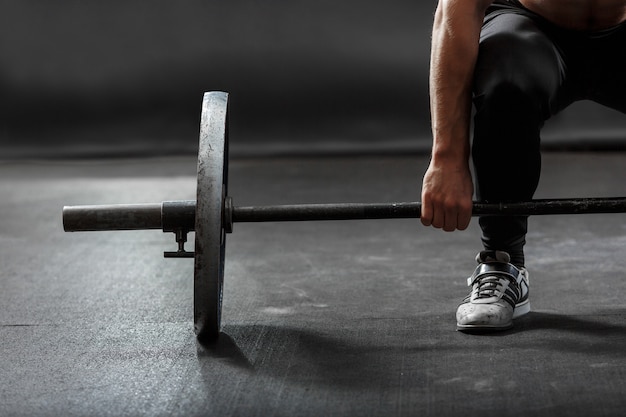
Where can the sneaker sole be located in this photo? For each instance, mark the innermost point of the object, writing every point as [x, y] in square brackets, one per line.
[478, 329]
[520, 310]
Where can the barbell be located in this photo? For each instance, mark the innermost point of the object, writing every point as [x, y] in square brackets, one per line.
[212, 214]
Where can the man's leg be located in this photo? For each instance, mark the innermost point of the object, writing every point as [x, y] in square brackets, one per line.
[517, 80]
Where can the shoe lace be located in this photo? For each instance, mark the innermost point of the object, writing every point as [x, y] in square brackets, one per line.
[488, 286]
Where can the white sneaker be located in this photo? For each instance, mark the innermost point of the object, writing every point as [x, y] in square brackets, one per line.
[499, 294]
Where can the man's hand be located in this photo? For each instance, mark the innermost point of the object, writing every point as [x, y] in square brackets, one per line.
[447, 193]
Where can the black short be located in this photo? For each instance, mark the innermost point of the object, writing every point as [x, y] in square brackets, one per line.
[594, 61]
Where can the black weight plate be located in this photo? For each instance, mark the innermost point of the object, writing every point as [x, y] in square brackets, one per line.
[210, 237]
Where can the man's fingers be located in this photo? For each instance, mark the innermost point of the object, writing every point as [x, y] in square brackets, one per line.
[463, 219]
[446, 217]
[438, 218]
[427, 214]
[450, 219]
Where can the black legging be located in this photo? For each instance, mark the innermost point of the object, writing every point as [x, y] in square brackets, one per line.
[527, 71]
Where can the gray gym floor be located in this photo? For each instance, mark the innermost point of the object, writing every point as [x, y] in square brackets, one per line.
[350, 318]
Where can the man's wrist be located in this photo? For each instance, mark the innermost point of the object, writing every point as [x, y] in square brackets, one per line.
[458, 156]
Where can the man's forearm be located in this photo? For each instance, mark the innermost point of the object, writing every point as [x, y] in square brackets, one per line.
[454, 51]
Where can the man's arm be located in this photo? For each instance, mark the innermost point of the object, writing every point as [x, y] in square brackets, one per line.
[447, 188]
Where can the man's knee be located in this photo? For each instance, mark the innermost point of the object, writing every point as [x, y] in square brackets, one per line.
[517, 66]
[505, 97]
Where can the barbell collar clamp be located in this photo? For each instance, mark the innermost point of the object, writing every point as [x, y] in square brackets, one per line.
[181, 239]
[179, 214]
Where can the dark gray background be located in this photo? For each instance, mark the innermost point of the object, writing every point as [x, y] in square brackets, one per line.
[84, 78]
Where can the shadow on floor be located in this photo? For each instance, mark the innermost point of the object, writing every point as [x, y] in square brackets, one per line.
[365, 356]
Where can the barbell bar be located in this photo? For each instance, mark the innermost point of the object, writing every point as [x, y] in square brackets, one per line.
[170, 216]
[212, 214]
